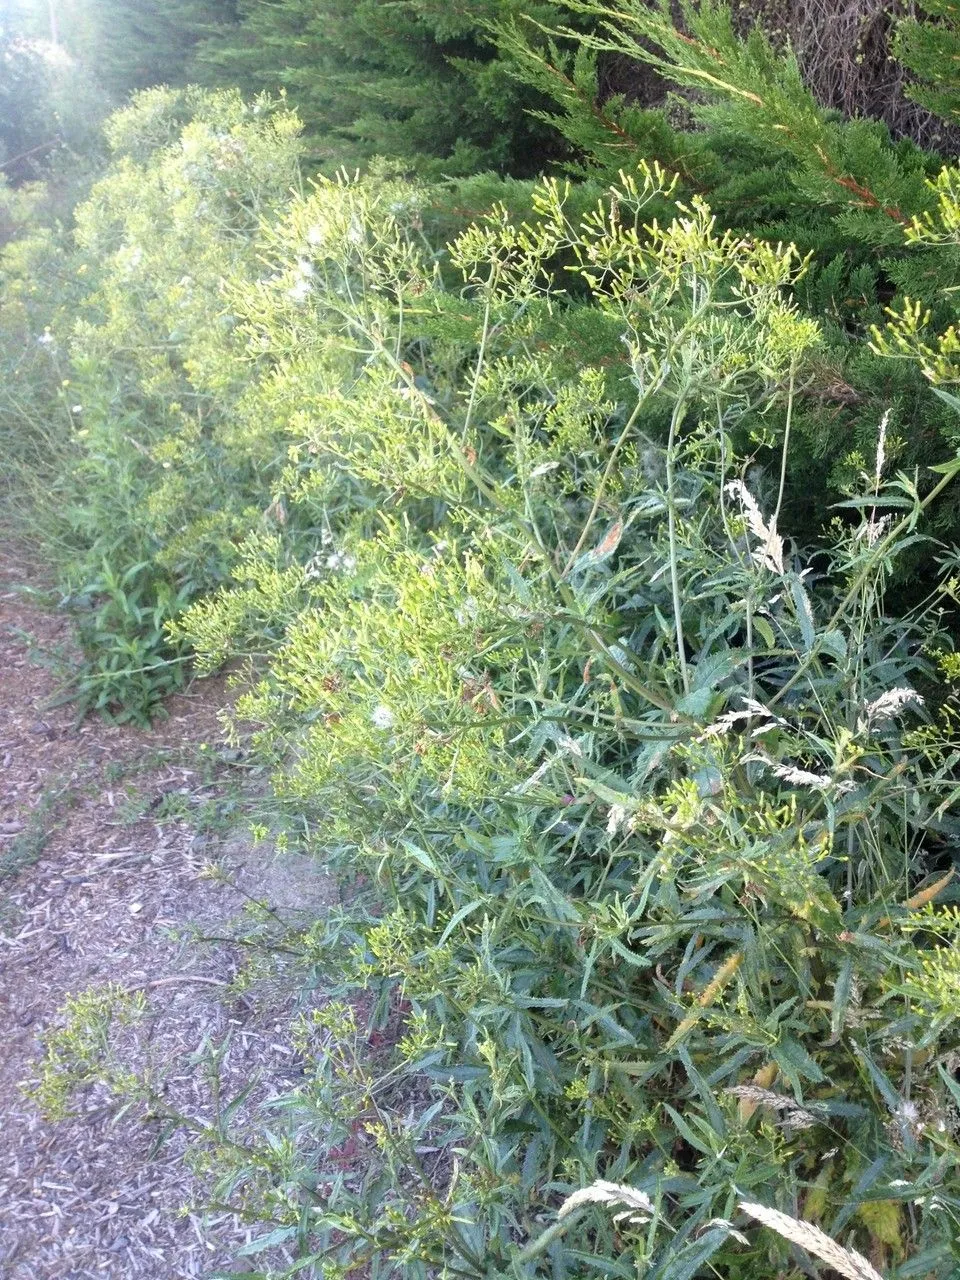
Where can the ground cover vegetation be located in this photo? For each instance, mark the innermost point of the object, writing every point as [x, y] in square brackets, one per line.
[583, 547]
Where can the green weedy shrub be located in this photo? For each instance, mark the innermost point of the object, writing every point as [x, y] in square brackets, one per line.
[648, 822]
[39, 294]
[646, 817]
[137, 337]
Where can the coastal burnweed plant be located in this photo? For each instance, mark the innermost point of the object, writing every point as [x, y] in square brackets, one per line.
[642, 802]
[118, 345]
[650, 812]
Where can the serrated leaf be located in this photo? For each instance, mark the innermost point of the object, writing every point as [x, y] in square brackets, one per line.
[834, 644]
[801, 603]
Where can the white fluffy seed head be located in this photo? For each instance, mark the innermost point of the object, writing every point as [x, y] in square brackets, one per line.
[769, 554]
[846, 1262]
[382, 717]
[891, 703]
[609, 1193]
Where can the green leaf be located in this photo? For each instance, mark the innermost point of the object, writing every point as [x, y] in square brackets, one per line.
[945, 468]
[713, 670]
[834, 644]
[856, 1196]
[459, 916]
[267, 1241]
[551, 897]
[692, 1255]
[801, 603]
[795, 1063]
[686, 1132]
[422, 858]
[606, 1266]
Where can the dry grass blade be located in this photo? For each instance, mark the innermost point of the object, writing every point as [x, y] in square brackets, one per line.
[847, 1262]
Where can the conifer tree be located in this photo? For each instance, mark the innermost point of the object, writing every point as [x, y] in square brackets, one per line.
[27, 129]
[415, 80]
[133, 44]
[929, 45]
[19, 18]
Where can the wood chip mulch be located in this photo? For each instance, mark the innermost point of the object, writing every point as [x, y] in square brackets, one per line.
[100, 898]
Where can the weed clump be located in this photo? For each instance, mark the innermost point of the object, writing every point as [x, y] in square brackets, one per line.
[643, 796]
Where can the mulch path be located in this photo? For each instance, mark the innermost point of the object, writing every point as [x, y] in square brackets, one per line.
[90, 895]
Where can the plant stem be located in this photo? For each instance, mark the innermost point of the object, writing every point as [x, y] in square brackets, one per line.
[786, 446]
[675, 419]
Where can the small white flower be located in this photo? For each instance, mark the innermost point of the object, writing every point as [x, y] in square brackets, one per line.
[907, 1112]
[299, 291]
[46, 339]
[382, 717]
[315, 235]
[76, 408]
[305, 267]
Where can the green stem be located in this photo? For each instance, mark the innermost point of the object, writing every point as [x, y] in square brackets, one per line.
[786, 445]
[675, 419]
[601, 487]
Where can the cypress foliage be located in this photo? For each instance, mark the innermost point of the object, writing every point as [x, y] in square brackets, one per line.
[930, 46]
[133, 44]
[418, 81]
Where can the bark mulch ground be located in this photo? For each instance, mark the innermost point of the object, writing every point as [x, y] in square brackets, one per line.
[97, 886]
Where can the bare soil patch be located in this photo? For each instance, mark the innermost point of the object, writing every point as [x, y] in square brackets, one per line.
[94, 891]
